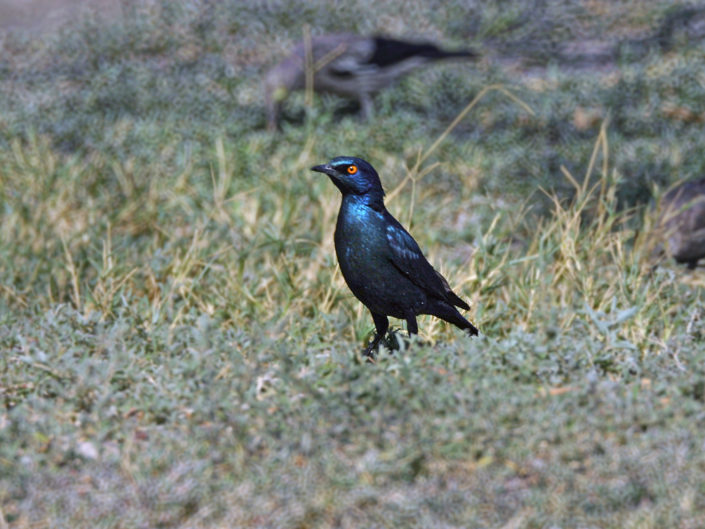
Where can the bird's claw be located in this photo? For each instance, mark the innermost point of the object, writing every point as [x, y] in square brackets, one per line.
[369, 354]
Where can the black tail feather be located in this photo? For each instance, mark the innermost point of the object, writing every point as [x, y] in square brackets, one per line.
[450, 314]
[391, 51]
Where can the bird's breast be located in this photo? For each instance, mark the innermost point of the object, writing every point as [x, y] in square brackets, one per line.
[365, 261]
[360, 235]
[360, 242]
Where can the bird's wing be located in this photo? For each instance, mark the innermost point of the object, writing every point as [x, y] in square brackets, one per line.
[392, 51]
[354, 59]
[406, 256]
[367, 55]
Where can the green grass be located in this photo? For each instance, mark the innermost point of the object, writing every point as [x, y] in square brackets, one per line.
[179, 349]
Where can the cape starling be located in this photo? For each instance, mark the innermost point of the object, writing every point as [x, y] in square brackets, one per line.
[380, 261]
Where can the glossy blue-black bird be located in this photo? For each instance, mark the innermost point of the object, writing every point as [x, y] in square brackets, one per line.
[381, 263]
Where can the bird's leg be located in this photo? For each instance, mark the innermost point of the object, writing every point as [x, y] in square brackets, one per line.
[272, 111]
[274, 117]
[411, 325]
[381, 326]
[366, 106]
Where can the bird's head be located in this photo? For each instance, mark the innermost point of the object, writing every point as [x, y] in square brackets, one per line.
[353, 176]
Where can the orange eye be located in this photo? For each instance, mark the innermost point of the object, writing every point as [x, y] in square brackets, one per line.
[352, 169]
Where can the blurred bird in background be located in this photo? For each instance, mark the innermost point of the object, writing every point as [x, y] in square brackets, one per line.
[682, 220]
[348, 65]
[381, 263]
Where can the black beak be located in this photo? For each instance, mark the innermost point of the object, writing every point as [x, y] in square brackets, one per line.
[325, 169]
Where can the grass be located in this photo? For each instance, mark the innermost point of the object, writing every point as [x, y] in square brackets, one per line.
[180, 350]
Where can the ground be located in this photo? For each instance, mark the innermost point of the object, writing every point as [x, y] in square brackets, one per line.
[46, 16]
[180, 350]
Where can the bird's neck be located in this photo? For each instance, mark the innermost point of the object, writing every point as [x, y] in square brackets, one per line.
[374, 201]
[357, 218]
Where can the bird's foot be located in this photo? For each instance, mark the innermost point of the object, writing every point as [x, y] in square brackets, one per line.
[369, 353]
[398, 341]
[393, 341]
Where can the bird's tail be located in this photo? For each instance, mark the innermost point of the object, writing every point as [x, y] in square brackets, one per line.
[472, 330]
[450, 314]
[391, 51]
[469, 328]
[457, 54]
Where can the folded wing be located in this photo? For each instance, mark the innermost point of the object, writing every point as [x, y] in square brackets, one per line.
[407, 257]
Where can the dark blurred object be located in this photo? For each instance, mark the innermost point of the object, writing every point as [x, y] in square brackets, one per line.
[687, 23]
[682, 220]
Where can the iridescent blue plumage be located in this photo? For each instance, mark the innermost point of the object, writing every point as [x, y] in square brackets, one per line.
[381, 263]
